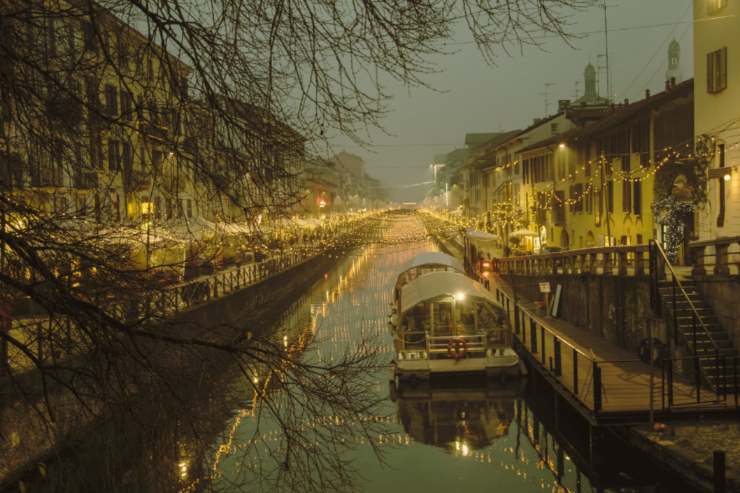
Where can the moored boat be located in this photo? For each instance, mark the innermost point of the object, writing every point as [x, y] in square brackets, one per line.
[445, 322]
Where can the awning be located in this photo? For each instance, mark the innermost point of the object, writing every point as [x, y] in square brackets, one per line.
[436, 284]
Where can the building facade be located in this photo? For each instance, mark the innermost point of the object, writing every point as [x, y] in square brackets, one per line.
[717, 113]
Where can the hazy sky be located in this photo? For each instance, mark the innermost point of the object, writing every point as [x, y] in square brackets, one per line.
[509, 95]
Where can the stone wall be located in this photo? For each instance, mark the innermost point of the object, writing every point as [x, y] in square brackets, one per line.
[614, 307]
[723, 295]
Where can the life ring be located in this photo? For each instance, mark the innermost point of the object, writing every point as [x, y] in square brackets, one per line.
[457, 348]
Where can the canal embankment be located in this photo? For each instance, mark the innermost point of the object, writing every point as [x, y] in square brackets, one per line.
[30, 448]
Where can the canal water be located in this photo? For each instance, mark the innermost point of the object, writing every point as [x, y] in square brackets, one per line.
[455, 436]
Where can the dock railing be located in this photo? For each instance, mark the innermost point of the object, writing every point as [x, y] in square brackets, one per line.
[631, 388]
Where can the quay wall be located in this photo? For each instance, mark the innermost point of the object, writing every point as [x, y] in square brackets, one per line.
[614, 307]
[722, 294]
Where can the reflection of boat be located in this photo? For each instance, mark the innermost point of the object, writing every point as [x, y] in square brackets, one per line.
[444, 322]
[458, 420]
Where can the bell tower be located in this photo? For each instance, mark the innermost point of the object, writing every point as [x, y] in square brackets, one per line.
[674, 62]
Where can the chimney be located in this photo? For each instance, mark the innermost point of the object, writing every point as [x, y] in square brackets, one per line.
[647, 93]
[626, 102]
[673, 82]
[563, 104]
[668, 85]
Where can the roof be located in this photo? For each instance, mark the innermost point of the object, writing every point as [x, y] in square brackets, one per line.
[433, 258]
[476, 139]
[478, 159]
[626, 112]
[617, 116]
[442, 283]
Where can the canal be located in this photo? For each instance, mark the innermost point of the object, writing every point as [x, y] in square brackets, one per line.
[457, 435]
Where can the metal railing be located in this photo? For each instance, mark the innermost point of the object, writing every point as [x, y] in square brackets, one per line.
[474, 343]
[659, 272]
[617, 386]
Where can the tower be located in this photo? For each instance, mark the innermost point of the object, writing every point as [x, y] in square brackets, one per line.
[589, 79]
[674, 61]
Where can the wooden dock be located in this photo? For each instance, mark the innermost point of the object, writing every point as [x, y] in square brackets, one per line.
[606, 383]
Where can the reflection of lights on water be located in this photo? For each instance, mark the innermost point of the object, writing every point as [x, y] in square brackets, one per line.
[183, 467]
[462, 448]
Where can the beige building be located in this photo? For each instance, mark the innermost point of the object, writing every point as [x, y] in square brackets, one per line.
[717, 112]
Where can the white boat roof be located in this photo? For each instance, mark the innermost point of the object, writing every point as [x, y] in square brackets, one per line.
[441, 283]
[434, 258]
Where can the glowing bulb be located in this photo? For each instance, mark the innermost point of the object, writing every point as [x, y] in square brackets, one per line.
[459, 296]
[562, 145]
[727, 177]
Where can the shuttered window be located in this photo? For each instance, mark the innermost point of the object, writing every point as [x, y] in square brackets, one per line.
[717, 71]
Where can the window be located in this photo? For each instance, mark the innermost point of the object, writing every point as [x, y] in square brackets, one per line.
[96, 151]
[558, 208]
[715, 6]
[588, 199]
[114, 159]
[626, 196]
[576, 197]
[717, 71]
[89, 37]
[637, 198]
[111, 100]
[127, 156]
[126, 105]
[553, 128]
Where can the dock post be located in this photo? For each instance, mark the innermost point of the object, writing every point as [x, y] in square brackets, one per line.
[575, 371]
[719, 471]
[597, 387]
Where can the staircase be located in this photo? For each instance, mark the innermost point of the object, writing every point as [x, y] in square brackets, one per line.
[697, 325]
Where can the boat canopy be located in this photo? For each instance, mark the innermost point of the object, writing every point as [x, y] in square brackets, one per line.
[441, 283]
[434, 258]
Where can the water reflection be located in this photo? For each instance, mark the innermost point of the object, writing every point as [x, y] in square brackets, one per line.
[458, 420]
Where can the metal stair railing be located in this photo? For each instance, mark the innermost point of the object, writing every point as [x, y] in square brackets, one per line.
[657, 267]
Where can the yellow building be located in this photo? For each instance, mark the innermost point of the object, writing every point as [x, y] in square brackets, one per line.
[717, 112]
[595, 185]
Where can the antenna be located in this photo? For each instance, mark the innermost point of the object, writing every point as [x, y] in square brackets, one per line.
[606, 54]
[546, 94]
[602, 75]
[575, 90]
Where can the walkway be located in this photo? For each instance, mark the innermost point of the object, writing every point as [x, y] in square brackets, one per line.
[605, 382]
